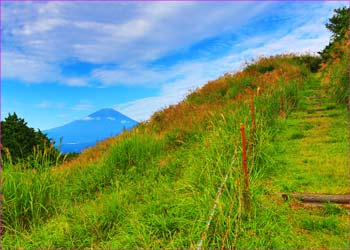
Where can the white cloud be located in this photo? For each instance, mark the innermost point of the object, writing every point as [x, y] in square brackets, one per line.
[44, 104]
[82, 107]
[33, 69]
[75, 82]
[129, 75]
[171, 94]
[110, 118]
[39, 27]
[27, 68]
[126, 31]
[129, 36]
[51, 105]
[310, 37]
[48, 34]
[142, 109]
[141, 32]
[64, 115]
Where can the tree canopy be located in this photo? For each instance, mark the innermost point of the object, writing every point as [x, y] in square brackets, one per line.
[338, 25]
[20, 139]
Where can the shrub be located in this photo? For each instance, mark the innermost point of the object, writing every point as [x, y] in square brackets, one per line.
[313, 63]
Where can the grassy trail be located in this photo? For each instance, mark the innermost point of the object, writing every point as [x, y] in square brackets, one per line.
[313, 147]
[311, 155]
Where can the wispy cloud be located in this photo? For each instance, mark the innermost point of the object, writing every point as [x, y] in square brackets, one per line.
[169, 48]
[52, 33]
[83, 106]
[63, 115]
[27, 68]
[75, 82]
[51, 104]
[39, 27]
[307, 38]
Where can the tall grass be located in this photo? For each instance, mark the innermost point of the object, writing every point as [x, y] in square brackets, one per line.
[29, 189]
[336, 71]
[33, 195]
[156, 186]
[339, 79]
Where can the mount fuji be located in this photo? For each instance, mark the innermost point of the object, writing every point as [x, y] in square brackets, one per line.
[86, 131]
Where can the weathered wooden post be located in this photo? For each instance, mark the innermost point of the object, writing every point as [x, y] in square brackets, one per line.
[245, 170]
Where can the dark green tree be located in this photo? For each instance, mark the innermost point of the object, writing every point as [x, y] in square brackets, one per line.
[20, 139]
[338, 25]
[17, 137]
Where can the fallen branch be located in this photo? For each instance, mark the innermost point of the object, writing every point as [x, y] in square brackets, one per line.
[320, 109]
[317, 97]
[319, 198]
[315, 116]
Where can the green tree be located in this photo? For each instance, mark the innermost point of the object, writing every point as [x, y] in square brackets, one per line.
[20, 139]
[17, 137]
[338, 25]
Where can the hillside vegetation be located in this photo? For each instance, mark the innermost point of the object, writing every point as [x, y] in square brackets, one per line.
[155, 186]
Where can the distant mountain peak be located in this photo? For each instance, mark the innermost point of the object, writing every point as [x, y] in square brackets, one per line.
[106, 112]
[87, 130]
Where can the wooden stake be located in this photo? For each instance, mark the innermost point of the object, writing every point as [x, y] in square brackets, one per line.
[245, 169]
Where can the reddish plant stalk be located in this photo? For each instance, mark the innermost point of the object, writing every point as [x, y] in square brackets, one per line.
[245, 169]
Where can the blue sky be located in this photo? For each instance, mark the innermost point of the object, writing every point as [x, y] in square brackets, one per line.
[64, 60]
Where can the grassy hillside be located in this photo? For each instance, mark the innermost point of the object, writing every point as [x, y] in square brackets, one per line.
[156, 185]
[177, 181]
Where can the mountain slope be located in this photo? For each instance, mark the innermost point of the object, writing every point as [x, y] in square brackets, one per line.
[86, 131]
[155, 186]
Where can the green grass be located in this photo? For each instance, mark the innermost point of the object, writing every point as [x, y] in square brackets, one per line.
[311, 158]
[156, 190]
[313, 152]
[142, 195]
